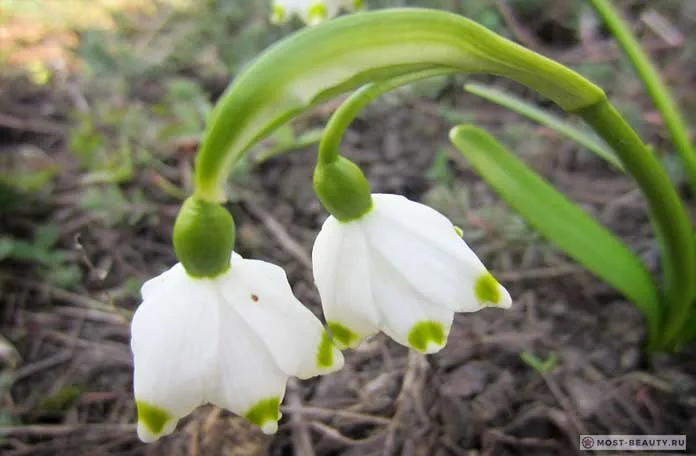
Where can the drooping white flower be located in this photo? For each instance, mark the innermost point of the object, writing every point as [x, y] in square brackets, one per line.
[232, 341]
[401, 268]
[312, 12]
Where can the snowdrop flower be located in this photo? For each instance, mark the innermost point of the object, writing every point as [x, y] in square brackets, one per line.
[401, 268]
[312, 12]
[231, 339]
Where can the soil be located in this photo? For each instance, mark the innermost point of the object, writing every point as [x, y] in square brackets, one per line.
[475, 397]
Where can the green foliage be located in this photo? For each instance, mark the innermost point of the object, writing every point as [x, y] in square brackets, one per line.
[196, 40]
[562, 126]
[115, 207]
[53, 264]
[541, 366]
[186, 105]
[457, 117]
[560, 221]
[440, 172]
[25, 169]
[61, 400]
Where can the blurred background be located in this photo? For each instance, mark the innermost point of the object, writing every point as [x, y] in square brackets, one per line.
[102, 106]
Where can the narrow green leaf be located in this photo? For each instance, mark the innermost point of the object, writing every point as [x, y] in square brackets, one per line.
[557, 124]
[541, 366]
[653, 83]
[560, 221]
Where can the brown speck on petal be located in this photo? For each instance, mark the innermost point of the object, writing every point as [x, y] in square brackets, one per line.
[254, 298]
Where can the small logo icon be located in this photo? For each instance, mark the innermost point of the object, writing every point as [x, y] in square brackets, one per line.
[587, 442]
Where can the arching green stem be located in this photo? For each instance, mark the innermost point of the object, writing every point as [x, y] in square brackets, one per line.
[330, 143]
[322, 62]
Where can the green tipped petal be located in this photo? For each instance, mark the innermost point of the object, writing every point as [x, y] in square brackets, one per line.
[342, 336]
[425, 333]
[278, 15]
[317, 13]
[152, 417]
[325, 358]
[204, 236]
[342, 189]
[487, 290]
[265, 414]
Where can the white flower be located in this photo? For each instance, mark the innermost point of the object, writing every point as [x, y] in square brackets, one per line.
[232, 341]
[402, 268]
[312, 12]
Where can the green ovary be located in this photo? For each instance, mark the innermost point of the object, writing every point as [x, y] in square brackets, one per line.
[342, 189]
[153, 418]
[264, 411]
[486, 290]
[425, 332]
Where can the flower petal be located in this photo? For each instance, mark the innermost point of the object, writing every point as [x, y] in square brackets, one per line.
[407, 317]
[246, 379]
[173, 342]
[155, 284]
[261, 296]
[341, 267]
[310, 11]
[424, 247]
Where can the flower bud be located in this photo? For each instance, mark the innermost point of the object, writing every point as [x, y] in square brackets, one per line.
[342, 189]
[203, 238]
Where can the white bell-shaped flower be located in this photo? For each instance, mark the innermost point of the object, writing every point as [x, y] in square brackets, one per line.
[232, 341]
[401, 268]
[311, 12]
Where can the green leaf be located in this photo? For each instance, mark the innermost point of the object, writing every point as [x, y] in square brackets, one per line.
[440, 171]
[559, 220]
[520, 106]
[539, 365]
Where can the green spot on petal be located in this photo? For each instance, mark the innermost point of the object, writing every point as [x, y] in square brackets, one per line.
[343, 336]
[264, 411]
[278, 14]
[153, 418]
[486, 290]
[425, 332]
[459, 231]
[317, 13]
[325, 358]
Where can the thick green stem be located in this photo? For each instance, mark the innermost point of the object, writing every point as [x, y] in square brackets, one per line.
[344, 54]
[668, 213]
[657, 90]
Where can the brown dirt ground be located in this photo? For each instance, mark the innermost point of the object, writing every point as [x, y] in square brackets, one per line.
[475, 397]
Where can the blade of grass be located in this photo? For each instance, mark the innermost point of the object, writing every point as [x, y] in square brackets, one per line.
[522, 107]
[560, 221]
[658, 91]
